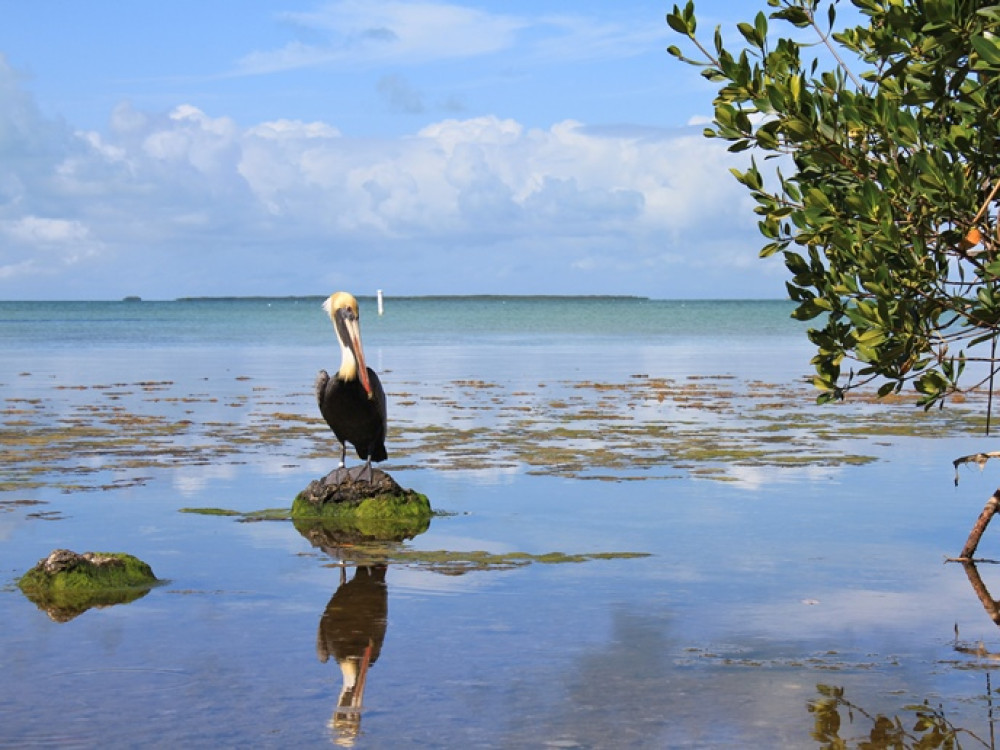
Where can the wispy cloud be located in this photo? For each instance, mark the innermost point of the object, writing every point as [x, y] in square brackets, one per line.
[566, 38]
[399, 95]
[354, 32]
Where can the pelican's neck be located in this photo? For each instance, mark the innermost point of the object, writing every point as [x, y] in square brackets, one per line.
[348, 364]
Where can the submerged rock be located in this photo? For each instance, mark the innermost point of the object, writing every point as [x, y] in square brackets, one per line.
[66, 584]
[347, 502]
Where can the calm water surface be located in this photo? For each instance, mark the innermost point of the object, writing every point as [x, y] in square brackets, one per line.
[756, 592]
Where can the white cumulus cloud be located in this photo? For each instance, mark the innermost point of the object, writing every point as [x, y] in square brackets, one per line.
[189, 202]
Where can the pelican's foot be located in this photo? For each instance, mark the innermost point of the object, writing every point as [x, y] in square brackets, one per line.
[339, 475]
[364, 471]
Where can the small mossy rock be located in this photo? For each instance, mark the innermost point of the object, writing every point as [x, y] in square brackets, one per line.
[378, 509]
[66, 584]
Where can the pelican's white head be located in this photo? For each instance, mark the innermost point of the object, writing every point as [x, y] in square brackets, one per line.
[343, 310]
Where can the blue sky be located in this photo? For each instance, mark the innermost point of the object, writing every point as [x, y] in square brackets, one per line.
[241, 147]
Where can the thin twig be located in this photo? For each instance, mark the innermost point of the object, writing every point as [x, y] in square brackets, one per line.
[986, 203]
[979, 459]
[993, 369]
[833, 50]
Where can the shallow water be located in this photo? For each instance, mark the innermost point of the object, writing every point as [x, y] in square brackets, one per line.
[761, 585]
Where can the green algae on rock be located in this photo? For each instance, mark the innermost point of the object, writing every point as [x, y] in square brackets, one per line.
[376, 509]
[66, 584]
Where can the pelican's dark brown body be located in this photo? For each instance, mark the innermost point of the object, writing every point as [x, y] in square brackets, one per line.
[353, 417]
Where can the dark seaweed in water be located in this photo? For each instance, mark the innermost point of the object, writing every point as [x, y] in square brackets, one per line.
[646, 428]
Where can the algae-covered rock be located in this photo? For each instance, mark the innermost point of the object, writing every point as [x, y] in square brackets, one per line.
[376, 509]
[66, 584]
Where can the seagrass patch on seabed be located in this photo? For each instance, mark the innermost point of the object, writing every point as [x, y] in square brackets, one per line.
[113, 436]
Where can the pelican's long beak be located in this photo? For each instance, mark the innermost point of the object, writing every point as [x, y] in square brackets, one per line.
[354, 331]
[349, 332]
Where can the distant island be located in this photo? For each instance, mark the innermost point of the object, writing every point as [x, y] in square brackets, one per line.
[250, 298]
[308, 297]
[132, 298]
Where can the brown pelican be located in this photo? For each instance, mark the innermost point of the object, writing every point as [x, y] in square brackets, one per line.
[352, 401]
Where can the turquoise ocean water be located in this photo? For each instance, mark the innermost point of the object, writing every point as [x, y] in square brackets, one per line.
[423, 336]
[242, 321]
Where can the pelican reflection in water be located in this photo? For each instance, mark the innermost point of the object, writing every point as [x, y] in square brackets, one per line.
[352, 401]
[352, 630]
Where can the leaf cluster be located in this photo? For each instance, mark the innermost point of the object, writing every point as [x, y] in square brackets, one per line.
[882, 146]
[930, 728]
